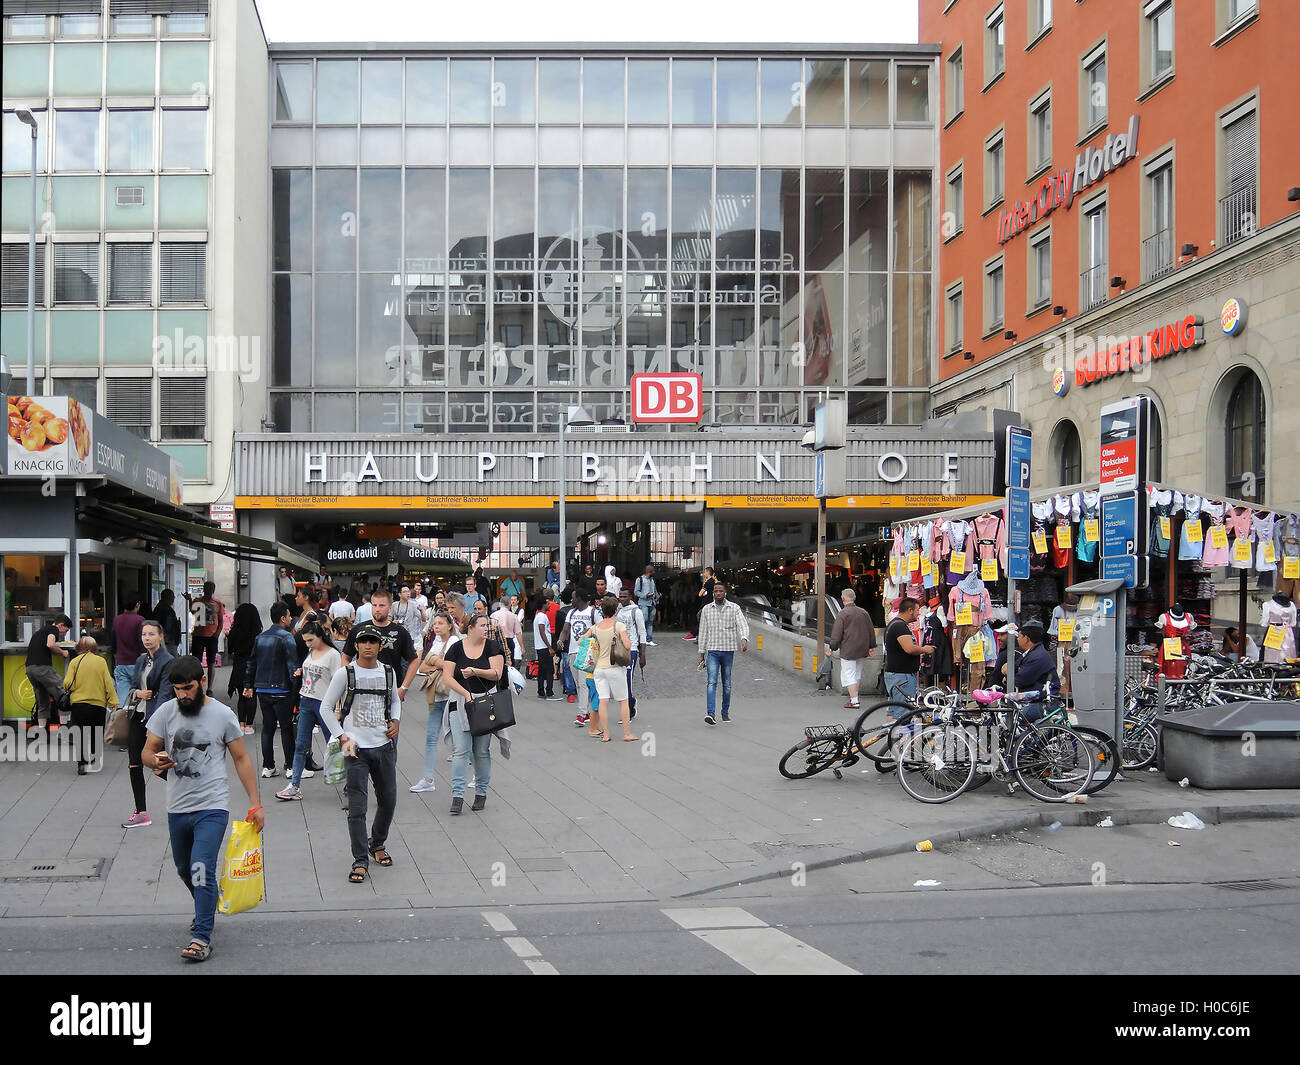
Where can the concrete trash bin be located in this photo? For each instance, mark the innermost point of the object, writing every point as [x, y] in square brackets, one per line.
[1254, 743]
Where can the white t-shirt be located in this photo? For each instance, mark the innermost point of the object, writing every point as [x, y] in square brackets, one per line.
[579, 621]
[365, 612]
[341, 608]
[318, 672]
[365, 722]
[541, 631]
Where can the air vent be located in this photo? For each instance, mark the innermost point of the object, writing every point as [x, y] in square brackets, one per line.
[130, 195]
[1253, 885]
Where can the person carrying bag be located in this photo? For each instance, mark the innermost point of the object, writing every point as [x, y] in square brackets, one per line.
[473, 669]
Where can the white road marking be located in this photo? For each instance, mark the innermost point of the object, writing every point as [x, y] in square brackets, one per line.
[542, 968]
[754, 944]
[499, 922]
[522, 947]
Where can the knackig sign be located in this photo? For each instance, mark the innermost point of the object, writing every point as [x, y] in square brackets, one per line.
[1059, 189]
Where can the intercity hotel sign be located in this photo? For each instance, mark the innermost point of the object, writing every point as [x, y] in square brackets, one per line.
[1059, 188]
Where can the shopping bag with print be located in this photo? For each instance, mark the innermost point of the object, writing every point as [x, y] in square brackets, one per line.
[336, 770]
[584, 659]
[242, 885]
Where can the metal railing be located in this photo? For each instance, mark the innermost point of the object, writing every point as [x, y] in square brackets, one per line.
[1238, 215]
[1158, 255]
[1093, 287]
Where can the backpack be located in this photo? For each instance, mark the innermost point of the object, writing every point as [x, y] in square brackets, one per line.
[350, 693]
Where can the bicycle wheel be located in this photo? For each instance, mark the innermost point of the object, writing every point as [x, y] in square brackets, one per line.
[872, 736]
[936, 764]
[809, 757]
[1052, 763]
[1105, 758]
[1139, 746]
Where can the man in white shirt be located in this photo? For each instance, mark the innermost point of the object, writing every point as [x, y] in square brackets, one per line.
[418, 597]
[365, 612]
[647, 598]
[542, 646]
[580, 618]
[341, 608]
[369, 737]
[629, 613]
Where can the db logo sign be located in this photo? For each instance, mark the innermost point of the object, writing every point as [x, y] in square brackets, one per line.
[667, 397]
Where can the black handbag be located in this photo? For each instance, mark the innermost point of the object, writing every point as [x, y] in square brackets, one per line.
[490, 712]
[63, 703]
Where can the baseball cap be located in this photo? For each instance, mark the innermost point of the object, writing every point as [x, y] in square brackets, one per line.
[367, 631]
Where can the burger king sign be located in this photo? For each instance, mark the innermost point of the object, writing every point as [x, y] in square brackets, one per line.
[1233, 317]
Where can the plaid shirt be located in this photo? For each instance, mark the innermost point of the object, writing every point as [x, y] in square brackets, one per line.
[494, 633]
[722, 628]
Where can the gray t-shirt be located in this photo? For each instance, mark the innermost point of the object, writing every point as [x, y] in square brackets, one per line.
[198, 746]
[318, 672]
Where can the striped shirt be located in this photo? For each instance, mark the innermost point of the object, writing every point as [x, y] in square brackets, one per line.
[722, 628]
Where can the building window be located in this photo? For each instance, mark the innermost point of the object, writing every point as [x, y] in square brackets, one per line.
[956, 100]
[25, 25]
[994, 297]
[78, 25]
[76, 140]
[1069, 454]
[190, 24]
[955, 206]
[13, 269]
[953, 336]
[185, 139]
[128, 401]
[912, 96]
[130, 140]
[1094, 89]
[1040, 17]
[1160, 34]
[1040, 269]
[182, 407]
[1158, 248]
[994, 170]
[1238, 217]
[1040, 133]
[1239, 9]
[293, 92]
[1155, 444]
[130, 273]
[1094, 280]
[82, 389]
[995, 44]
[1245, 440]
[76, 273]
[132, 25]
[182, 272]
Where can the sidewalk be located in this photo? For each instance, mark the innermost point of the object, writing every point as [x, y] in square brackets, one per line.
[688, 810]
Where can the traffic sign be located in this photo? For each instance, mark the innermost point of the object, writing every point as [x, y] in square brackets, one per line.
[1018, 563]
[1119, 525]
[1020, 450]
[1018, 519]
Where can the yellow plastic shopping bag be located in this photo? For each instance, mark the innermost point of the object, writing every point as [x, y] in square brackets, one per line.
[242, 884]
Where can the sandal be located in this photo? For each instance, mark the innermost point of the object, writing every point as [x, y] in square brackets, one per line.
[359, 874]
[381, 856]
[605, 737]
[630, 739]
[197, 951]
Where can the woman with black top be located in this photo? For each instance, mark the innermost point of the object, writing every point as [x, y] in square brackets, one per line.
[470, 668]
[165, 614]
[239, 642]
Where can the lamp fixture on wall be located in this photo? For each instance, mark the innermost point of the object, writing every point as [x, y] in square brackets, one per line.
[969, 356]
[1116, 282]
[1293, 195]
[1188, 250]
[1009, 335]
[1059, 311]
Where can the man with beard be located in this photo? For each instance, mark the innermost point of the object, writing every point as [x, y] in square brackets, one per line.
[190, 736]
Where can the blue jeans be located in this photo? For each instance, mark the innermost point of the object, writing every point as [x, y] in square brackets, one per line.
[648, 613]
[460, 746]
[900, 686]
[431, 730]
[196, 850]
[309, 715]
[719, 662]
[122, 681]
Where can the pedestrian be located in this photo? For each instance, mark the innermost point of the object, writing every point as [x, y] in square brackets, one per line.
[270, 675]
[854, 636]
[704, 597]
[633, 619]
[207, 611]
[408, 613]
[517, 610]
[151, 686]
[191, 735]
[472, 595]
[512, 585]
[553, 576]
[647, 598]
[46, 685]
[508, 630]
[318, 669]
[365, 612]
[902, 653]
[722, 627]
[542, 635]
[239, 642]
[611, 679]
[127, 647]
[419, 598]
[443, 636]
[1034, 664]
[337, 632]
[396, 649]
[579, 619]
[612, 582]
[165, 614]
[341, 608]
[90, 691]
[471, 667]
[284, 586]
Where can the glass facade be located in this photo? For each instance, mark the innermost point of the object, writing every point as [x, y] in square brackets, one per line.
[536, 230]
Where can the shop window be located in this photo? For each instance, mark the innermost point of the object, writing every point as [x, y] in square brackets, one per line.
[1245, 439]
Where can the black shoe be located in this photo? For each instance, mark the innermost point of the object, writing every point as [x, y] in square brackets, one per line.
[480, 801]
[313, 767]
[457, 804]
[631, 712]
[81, 769]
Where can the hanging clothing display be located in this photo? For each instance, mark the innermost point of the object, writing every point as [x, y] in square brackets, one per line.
[1061, 538]
[1039, 550]
[1215, 554]
[1241, 526]
[1265, 550]
[1286, 542]
[1191, 539]
[927, 566]
[1162, 504]
[939, 666]
[958, 534]
[978, 651]
[1088, 515]
[1278, 621]
[1172, 658]
[991, 539]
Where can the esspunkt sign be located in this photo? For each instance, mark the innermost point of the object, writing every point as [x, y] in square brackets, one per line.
[1059, 188]
[1129, 353]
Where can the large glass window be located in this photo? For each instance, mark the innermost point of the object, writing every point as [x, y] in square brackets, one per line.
[292, 91]
[512, 91]
[913, 98]
[18, 143]
[380, 221]
[291, 219]
[692, 92]
[913, 221]
[130, 140]
[558, 94]
[868, 219]
[335, 306]
[426, 215]
[471, 91]
[336, 219]
[647, 91]
[185, 140]
[602, 91]
[825, 80]
[76, 140]
[1245, 440]
[783, 92]
[426, 91]
[381, 91]
[737, 92]
[130, 273]
[76, 273]
[336, 91]
[824, 220]
[1069, 454]
[379, 303]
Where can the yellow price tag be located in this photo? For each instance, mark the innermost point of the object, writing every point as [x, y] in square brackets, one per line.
[926, 566]
[1040, 541]
[976, 650]
[989, 569]
[913, 561]
[1193, 530]
[1063, 539]
[1270, 555]
[1241, 549]
[893, 566]
[1173, 647]
[1291, 568]
[1088, 602]
[964, 615]
[957, 564]
[1065, 631]
[1218, 536]
[1091, 530]
[1166, 527]
[1273, 638]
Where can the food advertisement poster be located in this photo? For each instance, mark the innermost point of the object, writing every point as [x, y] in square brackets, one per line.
[48, 435]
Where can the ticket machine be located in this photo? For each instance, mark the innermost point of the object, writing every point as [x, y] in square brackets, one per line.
[1097, 652]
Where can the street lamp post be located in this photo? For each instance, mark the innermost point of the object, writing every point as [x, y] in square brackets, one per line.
[28, 119]
[573, 416]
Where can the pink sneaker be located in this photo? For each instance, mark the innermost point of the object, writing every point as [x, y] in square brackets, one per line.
[140, 820]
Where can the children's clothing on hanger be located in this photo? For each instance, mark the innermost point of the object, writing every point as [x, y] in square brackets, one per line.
[1212, 555]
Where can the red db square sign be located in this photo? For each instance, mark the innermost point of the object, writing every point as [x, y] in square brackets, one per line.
[667, 397]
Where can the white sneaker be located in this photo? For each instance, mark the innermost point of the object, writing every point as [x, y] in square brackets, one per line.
[270, 772]
[308, 773]
[651, 643]
[424, 784]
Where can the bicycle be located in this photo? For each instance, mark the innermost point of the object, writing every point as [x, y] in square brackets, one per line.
[822, 747]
